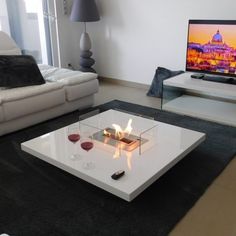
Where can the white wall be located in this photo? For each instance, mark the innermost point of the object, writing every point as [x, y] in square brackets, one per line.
[135, 36]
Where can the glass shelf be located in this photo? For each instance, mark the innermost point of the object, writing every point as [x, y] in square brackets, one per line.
[203, 99]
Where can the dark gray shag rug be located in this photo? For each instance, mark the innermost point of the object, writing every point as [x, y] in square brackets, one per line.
[37, 199]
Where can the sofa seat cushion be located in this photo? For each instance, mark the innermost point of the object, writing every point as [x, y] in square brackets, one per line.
[1, 111]
[65, 76]
[19, 102]
[8, 95]
[77, 91]
[77, 84]
[55, 74]
[79, 78]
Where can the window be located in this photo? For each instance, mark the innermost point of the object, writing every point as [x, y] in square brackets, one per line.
[31, 23]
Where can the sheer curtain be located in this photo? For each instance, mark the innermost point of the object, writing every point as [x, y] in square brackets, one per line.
[4, 22]
[30, 23]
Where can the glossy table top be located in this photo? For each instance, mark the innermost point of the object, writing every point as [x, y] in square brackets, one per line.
[167, 145]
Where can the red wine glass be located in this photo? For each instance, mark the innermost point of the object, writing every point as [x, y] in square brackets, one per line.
[73, 136]
[86, 143]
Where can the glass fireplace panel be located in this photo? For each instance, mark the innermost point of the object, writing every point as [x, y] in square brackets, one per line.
[119, 132]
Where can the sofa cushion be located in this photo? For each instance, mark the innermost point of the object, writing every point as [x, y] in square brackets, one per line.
[19, 71]
[1, 114]
[77, 84]
[79, 78]
[8, 45]
[65, 76]
[19, 102]
[13, 51]
[8, 95]
[55, 74]
[80, 90]
[1, 111]
[161, 74]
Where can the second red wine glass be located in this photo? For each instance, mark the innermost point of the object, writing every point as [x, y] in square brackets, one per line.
[73, 136]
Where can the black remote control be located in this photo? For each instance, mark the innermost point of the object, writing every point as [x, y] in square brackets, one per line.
[118, 174]
[197, 76]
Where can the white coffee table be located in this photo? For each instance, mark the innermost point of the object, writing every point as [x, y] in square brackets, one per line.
[164, 146]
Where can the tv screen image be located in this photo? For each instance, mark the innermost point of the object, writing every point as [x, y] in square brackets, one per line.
[211, 47]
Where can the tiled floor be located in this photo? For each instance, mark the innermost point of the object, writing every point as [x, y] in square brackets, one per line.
[110, 91]
[215, 212]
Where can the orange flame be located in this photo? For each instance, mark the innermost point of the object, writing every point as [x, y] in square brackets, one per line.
[117, 152]
[119, 132]
[106, 133]
[127, 154]
[129, 158]
[129, 128]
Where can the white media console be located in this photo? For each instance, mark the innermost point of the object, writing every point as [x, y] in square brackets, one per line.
[199, 98]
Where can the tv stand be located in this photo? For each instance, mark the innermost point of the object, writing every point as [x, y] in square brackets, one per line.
[200, 98]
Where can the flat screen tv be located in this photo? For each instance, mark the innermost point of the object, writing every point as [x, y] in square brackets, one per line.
[211, 47]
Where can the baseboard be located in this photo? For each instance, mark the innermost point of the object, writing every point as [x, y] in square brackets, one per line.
[124, 83]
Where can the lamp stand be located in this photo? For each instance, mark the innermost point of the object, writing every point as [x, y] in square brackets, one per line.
[86, 61]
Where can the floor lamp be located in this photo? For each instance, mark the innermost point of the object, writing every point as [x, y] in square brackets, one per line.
[85, 11]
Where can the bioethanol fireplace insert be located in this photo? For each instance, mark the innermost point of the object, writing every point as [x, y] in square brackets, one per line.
[125, 131]
[123, 140]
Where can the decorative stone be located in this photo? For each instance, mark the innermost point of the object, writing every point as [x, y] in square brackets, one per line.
[86, 62]
[87, 69]
[85, 42]
[86, 54]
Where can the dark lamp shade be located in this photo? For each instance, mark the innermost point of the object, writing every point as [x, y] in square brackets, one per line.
[84, 11]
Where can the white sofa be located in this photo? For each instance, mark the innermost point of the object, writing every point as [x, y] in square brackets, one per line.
[63, 92]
